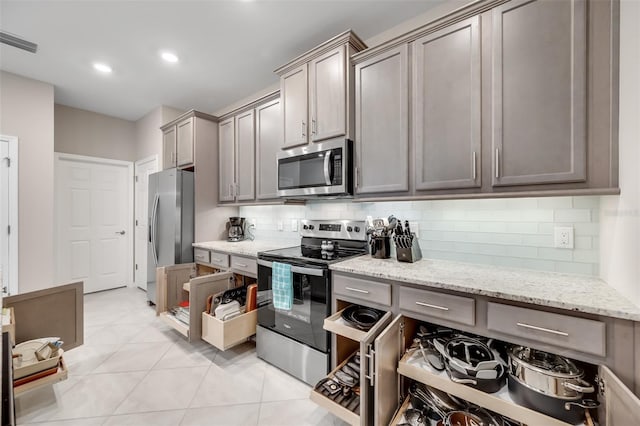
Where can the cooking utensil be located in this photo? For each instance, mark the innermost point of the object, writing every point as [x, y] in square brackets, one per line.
[407, 229]
[430, 354]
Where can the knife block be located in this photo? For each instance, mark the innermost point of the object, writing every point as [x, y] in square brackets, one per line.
[411, 254]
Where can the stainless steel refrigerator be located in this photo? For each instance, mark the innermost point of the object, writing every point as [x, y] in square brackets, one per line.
[171, 218]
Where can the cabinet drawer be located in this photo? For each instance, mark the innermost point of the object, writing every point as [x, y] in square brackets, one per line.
[201, 255]
[368, 291]
[226, 334]
[244, 265]
[438, 305]
[564, 331]
[220, 260]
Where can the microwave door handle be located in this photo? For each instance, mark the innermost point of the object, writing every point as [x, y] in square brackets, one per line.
[327, 170]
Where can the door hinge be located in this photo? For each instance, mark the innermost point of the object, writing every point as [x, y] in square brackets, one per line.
[136, 222]
[599, 381]
[8, 161]
[9, 229]
[136, 178]
[136, 266]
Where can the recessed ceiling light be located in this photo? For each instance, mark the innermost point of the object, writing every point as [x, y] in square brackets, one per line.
[169, 57]
[102, 67]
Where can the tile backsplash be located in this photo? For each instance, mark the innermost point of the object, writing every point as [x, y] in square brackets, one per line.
[516, 232]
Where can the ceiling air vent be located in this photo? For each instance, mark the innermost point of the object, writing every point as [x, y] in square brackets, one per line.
[15, 41]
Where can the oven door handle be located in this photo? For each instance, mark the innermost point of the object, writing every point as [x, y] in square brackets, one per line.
[296, 269]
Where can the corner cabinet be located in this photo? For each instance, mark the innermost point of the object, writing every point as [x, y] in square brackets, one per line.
[388, 359]
[539, 72]
[184, 138]
[382, 123]
[317, 92]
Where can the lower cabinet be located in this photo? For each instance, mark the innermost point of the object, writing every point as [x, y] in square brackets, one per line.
[390, 359]
[183, 302]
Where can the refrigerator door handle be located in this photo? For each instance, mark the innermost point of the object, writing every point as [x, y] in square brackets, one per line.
[154, 227]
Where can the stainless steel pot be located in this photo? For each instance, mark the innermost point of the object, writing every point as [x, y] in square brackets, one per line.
[549, 374]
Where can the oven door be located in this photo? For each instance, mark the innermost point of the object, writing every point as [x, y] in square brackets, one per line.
[304, 322]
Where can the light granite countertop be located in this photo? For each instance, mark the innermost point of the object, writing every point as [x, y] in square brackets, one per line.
[243, 248]
[565, 291]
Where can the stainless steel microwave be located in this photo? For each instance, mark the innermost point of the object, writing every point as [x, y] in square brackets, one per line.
[317, 169]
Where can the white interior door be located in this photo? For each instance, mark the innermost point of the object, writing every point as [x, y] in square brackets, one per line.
[94, 215]
[9, 215]
[143, 168]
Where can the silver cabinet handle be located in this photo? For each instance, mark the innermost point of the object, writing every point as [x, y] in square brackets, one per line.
[216, 259]
[120, 232]
[242, 265]
[546, 330]
[314, 126]
[303, 129]
[357, 290]
[235, 189]
[370, 366]
[497, 161]
[229, 191]
[355, 172]
[473, 165]
[429, 305]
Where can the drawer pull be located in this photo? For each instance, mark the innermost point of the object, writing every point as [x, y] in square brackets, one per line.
[216, 259]
[242, 265]
[357, 290]
[428, 305]
[547, 330]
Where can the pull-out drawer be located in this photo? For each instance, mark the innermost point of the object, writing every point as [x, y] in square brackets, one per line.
[226, 334]
[566, 332]
[438, 305]
[221, 260]
[201, 255]
[365, 290]
[244, 265]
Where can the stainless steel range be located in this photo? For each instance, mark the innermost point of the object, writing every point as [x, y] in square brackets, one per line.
[293, 339]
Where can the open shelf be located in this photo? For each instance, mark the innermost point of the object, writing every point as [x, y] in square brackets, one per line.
[60, 375]
[226, 334]
[175, 323]
[415, 367]
[333, 406]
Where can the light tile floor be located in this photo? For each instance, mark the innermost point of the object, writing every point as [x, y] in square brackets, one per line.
[135, 370]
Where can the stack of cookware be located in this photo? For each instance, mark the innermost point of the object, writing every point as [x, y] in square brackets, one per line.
[548, 383]
[429, 404]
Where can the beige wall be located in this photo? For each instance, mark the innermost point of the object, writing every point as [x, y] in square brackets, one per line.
[620, 215]
[26, 111]
[148, 134]
[96, 135]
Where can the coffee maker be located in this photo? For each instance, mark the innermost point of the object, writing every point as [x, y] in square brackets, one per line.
[236, 229]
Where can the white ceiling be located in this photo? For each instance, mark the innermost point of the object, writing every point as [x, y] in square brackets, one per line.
[227, 49]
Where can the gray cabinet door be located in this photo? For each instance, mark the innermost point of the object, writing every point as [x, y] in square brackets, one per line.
[539, 86]
[328, 95]
[184, 142]
[382, 123]
[245, 157]
[226, 158]
[169, 148]
[446, 108]
[268, 140]
[293, 93]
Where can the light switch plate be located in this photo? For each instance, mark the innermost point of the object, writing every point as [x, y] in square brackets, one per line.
[563, 237]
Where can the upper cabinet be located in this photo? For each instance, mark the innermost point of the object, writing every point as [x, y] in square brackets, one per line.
[446, 110]
[539, 74]
[250, 138]
[518, 98]
[382, 123]
[186, 136]
[317, 92]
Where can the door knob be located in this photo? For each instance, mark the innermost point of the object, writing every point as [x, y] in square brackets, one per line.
[121, 232]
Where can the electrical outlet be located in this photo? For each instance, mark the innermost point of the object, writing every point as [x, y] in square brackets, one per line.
[253, 222]
[280, 225]
[294, 225]
[563, 237]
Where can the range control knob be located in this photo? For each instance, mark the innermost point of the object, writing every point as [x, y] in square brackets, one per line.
[311, 227]
[305, 227]
[357, 229]
[349, 229]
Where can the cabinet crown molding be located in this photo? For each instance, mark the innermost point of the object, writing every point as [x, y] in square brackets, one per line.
[188, 114]
[251, 105]
[347, 37]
